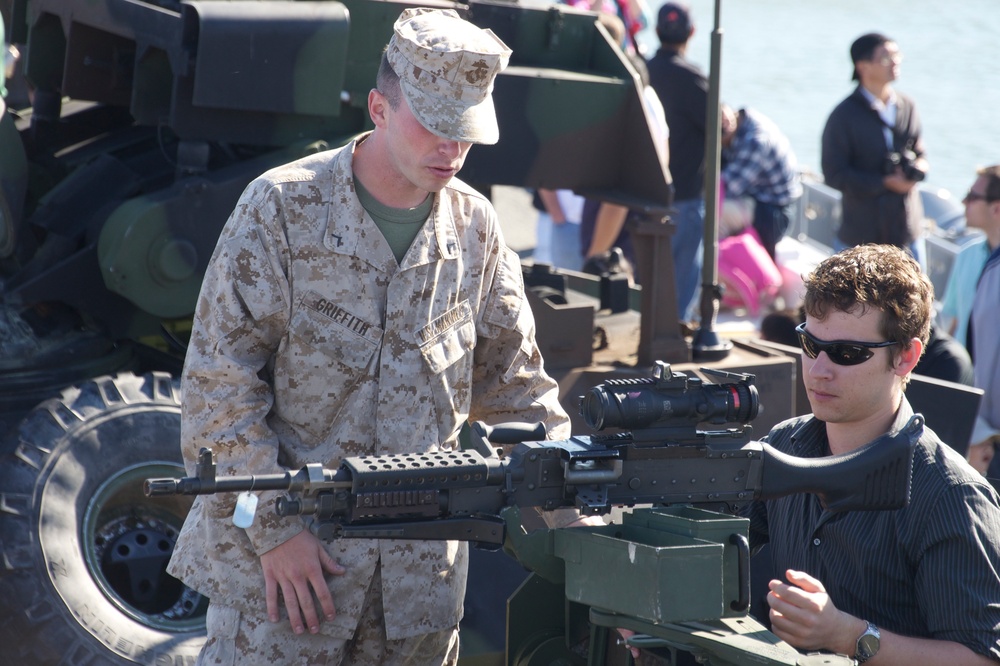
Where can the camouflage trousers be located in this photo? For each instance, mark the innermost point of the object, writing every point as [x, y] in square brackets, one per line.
[236, 638]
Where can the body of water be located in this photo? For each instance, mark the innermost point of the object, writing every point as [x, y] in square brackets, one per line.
[789, 59]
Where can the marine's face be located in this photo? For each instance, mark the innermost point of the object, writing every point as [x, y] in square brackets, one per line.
[421, 158]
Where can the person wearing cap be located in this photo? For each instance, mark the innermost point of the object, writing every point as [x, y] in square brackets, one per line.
[873, 153]
[683, 90]
[360, 301]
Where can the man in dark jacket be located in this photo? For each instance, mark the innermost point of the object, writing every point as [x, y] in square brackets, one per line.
[873, 153]
[683, 90]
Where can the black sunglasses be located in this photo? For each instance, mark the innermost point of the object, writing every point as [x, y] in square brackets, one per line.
[971, 196]
[841, 352]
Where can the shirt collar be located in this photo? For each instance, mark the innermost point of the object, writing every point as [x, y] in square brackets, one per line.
[875, 102]
[350, 230]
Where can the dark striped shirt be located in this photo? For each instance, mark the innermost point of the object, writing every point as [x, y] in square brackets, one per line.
[931, 569]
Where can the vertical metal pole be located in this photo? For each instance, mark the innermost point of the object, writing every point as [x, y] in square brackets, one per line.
[706, 344]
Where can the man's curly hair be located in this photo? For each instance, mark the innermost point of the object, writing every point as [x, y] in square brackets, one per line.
[881, 277]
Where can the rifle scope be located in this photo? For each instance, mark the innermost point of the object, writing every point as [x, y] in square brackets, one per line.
[668, 400]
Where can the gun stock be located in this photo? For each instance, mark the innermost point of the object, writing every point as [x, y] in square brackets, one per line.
[873, 478]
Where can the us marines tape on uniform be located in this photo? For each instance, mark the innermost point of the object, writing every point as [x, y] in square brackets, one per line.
[312, 342]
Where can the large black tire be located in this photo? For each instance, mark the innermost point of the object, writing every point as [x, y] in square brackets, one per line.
[83, 578]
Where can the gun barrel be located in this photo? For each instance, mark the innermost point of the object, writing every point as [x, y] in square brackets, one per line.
[193, 485]
[159, 487]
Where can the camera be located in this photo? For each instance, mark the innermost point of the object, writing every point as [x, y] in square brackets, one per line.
[905, 160]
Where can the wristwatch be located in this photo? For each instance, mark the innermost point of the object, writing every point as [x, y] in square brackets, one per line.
[868, 644]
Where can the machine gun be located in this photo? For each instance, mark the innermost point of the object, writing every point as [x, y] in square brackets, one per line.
[680, 566]
[660, 457]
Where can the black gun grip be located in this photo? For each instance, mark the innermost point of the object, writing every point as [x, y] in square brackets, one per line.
[504, 433]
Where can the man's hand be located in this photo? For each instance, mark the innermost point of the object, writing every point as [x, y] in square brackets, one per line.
[296, 568]
[898, 183]
[803, 616]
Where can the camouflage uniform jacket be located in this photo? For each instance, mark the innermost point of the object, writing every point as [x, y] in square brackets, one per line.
[310, 343]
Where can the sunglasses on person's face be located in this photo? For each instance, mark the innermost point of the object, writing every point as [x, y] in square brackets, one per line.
[972, 197]
[841, 352]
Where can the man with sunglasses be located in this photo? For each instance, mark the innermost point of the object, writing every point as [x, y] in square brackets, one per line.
[982, 211]
[911, 586]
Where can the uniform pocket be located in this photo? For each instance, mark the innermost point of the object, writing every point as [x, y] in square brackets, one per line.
[448, 338]
[446, 345]
[338, 335]
[254, 276]
[328, 352]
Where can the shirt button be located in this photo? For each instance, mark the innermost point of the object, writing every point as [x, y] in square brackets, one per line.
[816, 542]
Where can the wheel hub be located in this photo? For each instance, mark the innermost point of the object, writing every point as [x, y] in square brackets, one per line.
[133, 554]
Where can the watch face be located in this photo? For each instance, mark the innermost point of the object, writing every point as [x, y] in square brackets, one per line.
[868, 645]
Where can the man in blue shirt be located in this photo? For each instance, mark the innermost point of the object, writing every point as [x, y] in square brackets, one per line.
[982, 211]
[956, 304]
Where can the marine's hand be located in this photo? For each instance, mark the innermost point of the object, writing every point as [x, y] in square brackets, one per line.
[296, 568]
[803, 615]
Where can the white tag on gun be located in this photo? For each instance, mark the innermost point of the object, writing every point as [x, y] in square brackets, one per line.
[246, 508]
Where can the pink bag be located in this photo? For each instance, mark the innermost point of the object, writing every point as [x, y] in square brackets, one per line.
[749, 276]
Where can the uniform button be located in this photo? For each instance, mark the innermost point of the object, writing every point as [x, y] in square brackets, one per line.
[815, 542]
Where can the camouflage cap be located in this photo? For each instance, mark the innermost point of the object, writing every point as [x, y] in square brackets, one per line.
[446, 68]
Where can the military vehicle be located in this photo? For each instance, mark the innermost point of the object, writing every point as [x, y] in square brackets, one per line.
[147, 120]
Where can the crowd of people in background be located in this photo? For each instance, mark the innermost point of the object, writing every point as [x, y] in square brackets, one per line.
[872, 153]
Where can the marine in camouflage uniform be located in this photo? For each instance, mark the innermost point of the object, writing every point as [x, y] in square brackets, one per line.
[312, 343]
